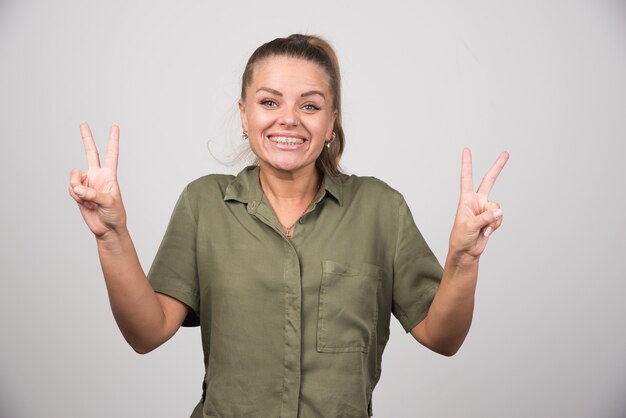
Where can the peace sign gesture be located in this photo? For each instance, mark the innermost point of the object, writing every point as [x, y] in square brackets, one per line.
[477, 217]
[97, 191]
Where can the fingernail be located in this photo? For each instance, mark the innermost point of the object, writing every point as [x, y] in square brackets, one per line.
[497, 213]
[488, 231]
[79, 190]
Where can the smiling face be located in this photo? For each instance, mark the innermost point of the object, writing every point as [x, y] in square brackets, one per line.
[288, 114]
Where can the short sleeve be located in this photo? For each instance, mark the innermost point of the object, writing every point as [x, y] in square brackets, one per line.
[174, 270]
[417, 273]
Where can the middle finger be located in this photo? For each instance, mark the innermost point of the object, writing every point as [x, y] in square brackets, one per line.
[93, 160]
[490, 178]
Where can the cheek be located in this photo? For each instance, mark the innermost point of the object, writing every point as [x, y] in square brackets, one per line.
[326, 127]
[260, 120]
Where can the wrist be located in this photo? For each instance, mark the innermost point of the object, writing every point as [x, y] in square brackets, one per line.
[113, 238]
[461, 260]
[461, 273]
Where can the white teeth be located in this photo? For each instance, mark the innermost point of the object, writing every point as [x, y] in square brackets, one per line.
[286, 140]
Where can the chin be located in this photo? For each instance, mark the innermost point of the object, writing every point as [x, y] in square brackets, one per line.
[289, 166]
[286, 167]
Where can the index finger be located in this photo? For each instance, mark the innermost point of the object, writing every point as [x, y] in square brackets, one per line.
[93, 160]
[467, 180]
[490, 178]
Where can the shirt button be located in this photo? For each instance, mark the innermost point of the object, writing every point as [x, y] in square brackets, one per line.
[301, 220]
[253, 205]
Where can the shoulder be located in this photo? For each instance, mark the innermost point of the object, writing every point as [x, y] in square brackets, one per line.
[367, 187]
[205, 192]
[208, 185]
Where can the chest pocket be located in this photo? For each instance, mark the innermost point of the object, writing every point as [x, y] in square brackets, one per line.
[348, 308]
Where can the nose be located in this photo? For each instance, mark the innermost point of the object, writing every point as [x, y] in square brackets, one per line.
[289, 117]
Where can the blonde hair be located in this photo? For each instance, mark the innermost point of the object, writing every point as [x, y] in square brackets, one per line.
[317, 50]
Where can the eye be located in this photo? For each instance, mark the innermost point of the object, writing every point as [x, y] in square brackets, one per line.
[268, 103]
[311, 107]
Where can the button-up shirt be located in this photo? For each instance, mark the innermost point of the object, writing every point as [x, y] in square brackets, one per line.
[294, 327]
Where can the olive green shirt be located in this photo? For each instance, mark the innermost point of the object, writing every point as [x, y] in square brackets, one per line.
[294, 328]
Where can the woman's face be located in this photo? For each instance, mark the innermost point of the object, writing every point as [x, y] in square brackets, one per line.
[288, 114]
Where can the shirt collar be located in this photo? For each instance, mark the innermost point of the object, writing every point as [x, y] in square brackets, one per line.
[245, 188]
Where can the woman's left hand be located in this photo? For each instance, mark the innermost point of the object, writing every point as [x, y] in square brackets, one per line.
[477, 217]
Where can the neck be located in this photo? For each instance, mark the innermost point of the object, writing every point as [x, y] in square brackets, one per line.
[290, 194]
[288, 187]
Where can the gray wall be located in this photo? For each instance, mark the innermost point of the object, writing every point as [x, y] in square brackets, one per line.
[544, 80]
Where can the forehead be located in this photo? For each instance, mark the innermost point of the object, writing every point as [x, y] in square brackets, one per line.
[281, 72]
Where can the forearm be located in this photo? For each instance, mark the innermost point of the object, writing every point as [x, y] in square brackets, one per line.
[450, 314]
[134, 303]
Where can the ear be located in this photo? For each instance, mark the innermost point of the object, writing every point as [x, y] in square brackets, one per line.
[331, 128]
[242, 114]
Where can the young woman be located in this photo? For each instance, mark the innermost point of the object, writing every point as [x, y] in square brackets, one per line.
[292, 269]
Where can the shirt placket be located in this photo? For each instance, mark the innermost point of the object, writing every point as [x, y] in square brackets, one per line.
[293, 314]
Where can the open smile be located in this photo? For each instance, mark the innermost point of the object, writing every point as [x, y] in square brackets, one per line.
[286, 140]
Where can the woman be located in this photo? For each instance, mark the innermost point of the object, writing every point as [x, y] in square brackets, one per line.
[291, 268]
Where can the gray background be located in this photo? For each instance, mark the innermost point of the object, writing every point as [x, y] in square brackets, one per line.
[545, 80]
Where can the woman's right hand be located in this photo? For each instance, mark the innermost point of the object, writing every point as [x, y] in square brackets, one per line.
[97, 191]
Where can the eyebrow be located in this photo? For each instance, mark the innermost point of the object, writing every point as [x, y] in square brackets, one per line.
[312, 92]
[305, 94]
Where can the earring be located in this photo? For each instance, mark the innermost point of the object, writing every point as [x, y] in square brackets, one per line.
[244, 135]
[331, 140]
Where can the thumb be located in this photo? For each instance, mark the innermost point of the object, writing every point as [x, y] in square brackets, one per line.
[91, 195]
[486, 218]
